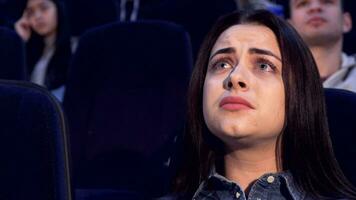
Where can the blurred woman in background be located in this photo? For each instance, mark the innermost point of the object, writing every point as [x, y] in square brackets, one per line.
[45, 29]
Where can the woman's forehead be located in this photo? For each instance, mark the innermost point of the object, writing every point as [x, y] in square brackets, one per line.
[247, 35]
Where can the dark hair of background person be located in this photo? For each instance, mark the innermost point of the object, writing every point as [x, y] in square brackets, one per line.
[58, 66]
[304, 146]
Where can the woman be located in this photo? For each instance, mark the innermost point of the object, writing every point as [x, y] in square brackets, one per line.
[44, 28]
[257, 125]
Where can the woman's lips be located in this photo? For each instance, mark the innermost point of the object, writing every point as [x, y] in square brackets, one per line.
[234, 103]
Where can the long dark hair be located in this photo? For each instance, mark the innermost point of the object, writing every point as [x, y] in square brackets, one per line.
[58, 66]
[305, 147]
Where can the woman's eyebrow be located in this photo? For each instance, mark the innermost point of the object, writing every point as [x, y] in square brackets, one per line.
[228, 50]
[263, 52]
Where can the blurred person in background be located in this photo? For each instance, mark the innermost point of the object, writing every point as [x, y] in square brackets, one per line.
[45, 29]
[322, 23]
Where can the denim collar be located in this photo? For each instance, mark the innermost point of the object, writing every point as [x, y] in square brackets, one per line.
[284, 177]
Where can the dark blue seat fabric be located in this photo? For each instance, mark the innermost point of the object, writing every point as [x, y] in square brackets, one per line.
[196, 16]
[341, 109]
[33, 151]
[107, 194]
[85, 14]
[11, 11]
[12, 55]
[125, 102]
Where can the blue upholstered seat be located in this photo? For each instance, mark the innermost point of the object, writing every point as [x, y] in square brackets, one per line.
[33, 146]
[196, 16]
[125, 102]
[341, 110]
[12, 55]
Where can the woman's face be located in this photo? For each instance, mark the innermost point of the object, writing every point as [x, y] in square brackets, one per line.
[42, 16]
[243, 97]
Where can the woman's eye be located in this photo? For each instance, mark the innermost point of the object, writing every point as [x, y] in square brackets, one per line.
[222, 65]
[265, 67]
[44, 7]
[29, 13]
[302, 3]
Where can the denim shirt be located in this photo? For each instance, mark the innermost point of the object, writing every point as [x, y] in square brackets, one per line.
[271, 186]
[278, 186]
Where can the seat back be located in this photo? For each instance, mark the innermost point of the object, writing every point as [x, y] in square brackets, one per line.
[341, 110]
[33, 146]
[196, 16]
[85, 15]
[125, 101]
[12, 55]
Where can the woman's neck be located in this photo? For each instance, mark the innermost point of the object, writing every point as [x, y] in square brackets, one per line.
[50, 39]
[244, 166]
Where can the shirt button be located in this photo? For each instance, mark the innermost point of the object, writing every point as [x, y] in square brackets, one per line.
[237, 195]
[270, 179]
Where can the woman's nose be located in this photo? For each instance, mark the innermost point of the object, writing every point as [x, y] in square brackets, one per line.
[37, 14]
[237, 79]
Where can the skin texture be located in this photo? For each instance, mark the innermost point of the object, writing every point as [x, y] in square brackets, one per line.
[39, 16]
[248, 133]
[260, 81]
